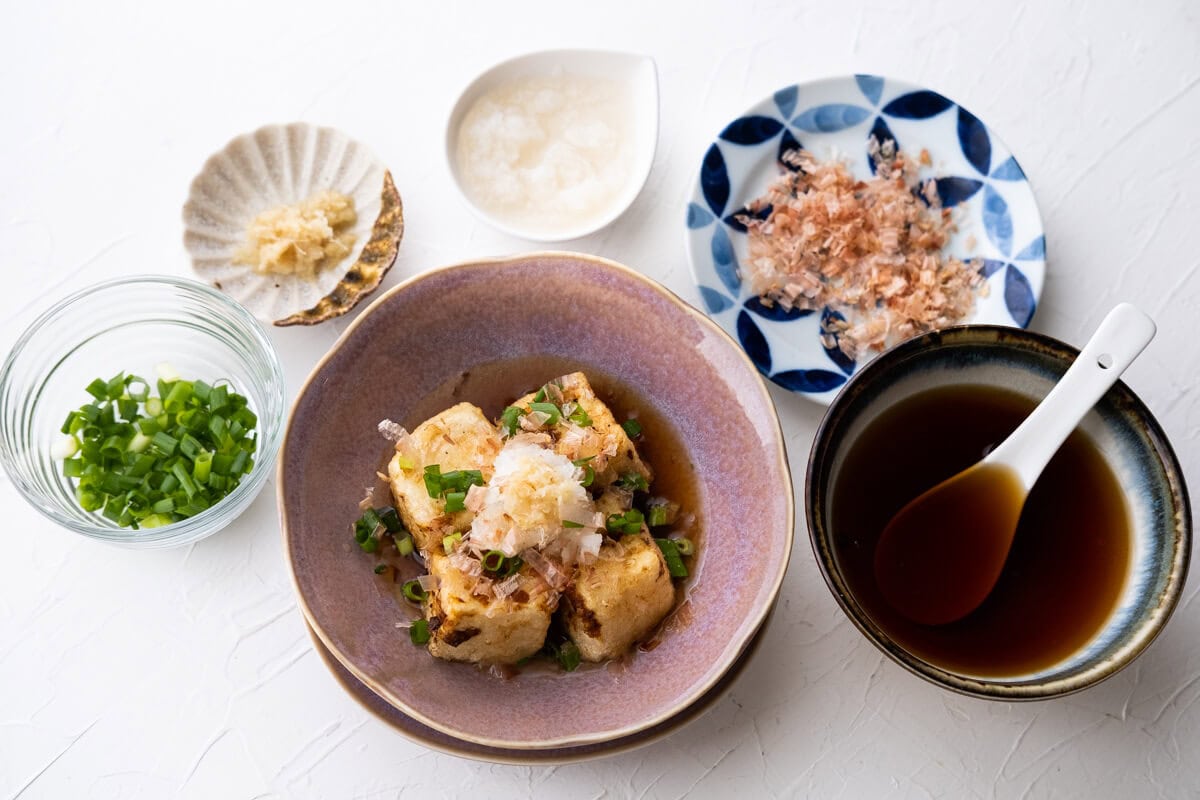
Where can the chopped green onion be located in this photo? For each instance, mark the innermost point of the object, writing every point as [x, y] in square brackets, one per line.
[684, 546]
[419, 632]
[626, 524]
[141, 394]
[511, 567]
[390, 519]
[452, 485]
[64, 448]
[455, 502]
[166, 373]
[202, 467]
[540, 396]
[510, 420]
[405, 546]
[553, 413]
[380, 569]
[98, 389]
[433, 480]
[634, 481]
[177, 399]
[633, 428]
[449, 542]
[460, 480]
[365, 527]
[413, 591]
[568, 656]
[370, 545]
[661, 512]
[566, 523]
[672, 557]
[580, 417]
[589, 474]
[164, 443]
[493, 560]
[404, 462]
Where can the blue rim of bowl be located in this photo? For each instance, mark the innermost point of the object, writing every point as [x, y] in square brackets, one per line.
[1132, 407]
[733, 650]
[772, 125]
[197, 527]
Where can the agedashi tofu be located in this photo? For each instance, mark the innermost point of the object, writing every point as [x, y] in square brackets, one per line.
[459, 438]
[611, 452]
[532, 529]
[485, 630]
[618, 599]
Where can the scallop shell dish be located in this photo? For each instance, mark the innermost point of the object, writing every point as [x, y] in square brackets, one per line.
[297, 223]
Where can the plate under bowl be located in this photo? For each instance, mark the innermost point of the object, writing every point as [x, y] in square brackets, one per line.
[436, 740]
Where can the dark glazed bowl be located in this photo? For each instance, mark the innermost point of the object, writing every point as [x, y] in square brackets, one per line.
[426, 335]
[1123, 430]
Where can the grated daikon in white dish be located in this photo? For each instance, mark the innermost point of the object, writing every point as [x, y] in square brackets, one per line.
[548, 154]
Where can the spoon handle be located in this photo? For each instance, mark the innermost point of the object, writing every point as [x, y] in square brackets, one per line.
[1122, 335]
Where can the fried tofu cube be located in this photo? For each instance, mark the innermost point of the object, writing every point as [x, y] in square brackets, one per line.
[484, 630]
[460, 437]
[619, 598]
[612, 452]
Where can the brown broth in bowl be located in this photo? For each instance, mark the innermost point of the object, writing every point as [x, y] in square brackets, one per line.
[1069, 560]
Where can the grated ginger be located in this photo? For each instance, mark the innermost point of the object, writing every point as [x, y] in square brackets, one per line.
[300, 239]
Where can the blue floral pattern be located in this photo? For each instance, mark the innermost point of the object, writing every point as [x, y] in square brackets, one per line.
[972, 170]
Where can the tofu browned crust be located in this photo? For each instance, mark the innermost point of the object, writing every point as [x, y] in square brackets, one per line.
[618, 599]
[465, 627]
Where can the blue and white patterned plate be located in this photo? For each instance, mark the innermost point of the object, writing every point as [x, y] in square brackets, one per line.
[998, 219]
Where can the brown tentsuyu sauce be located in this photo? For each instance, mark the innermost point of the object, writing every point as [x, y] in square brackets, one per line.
[1069, 559]
[494, 386]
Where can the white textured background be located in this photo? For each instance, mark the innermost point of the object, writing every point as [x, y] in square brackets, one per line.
[188, 673]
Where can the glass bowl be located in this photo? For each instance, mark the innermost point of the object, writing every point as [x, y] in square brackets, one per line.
[132, 324]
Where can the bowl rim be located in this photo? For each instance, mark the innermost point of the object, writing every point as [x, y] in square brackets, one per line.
[733, 649]
[1009, 337]
[209, 521]
[636, 184]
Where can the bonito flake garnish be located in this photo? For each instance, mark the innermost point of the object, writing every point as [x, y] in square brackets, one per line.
[871, 250]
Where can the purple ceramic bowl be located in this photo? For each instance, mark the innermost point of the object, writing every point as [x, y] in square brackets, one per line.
[436, 740]
[424, 337]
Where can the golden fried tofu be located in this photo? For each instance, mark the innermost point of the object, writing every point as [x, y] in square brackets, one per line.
[465, 627]
[460, 437]
[618, 599]
[612, 452]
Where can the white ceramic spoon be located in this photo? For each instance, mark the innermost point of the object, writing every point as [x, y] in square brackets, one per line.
[941, 555]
